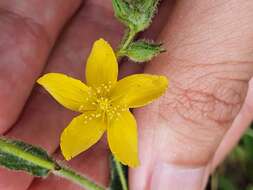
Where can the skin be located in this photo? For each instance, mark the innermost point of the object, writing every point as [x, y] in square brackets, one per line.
[195, 124]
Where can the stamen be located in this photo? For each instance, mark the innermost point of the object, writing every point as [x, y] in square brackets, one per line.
[81, 108]
[98, 115]
[104, 105]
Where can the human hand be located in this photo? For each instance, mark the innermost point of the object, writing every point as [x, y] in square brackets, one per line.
[174, 130]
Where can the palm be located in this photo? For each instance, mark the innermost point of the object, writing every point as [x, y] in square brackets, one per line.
[43, 119]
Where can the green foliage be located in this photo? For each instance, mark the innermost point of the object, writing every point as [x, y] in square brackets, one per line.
[225, 184]
[116, 180]
[16, 155]
[236, 173]
[135, 14]
[141, 51]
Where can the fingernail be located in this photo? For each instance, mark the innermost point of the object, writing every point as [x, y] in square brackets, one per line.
[169, 177]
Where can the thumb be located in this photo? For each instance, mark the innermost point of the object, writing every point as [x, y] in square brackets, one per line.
[209, 65]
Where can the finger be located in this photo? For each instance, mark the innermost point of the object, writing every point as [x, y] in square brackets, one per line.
[127, 67]
[43, 119]
[240, 124]
[28, 32]
[209, 63]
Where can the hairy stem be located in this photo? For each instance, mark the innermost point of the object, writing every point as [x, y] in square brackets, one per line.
[76, 178]
[129, 37]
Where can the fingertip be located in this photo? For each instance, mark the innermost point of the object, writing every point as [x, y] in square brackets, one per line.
[167, 176]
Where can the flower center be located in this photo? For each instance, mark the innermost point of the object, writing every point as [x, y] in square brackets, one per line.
[111, 111]
[104, 104]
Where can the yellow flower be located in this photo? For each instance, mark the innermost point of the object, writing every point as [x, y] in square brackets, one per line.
[104, 104]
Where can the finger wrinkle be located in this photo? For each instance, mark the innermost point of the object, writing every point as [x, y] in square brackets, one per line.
[35, 29]
[213, 100]
[51, 15]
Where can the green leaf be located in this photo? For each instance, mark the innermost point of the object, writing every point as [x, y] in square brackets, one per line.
[118, 175]
[226, 184]
[250, 187]
[135, 14]
[141, 51]
[249, 133]
[17, 155]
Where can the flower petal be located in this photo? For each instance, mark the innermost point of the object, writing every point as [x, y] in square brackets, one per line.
[122, 139]
[70, 92]
[81, 134]
[138, 90]
[102, 66]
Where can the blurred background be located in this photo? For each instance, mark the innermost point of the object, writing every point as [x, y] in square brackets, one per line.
[236, 172]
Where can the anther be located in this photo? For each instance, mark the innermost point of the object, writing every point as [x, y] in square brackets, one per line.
[98, 115]
[81, 108]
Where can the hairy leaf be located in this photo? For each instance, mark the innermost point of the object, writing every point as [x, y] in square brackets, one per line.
[142, 51]
[17, 155]
[136, 14]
